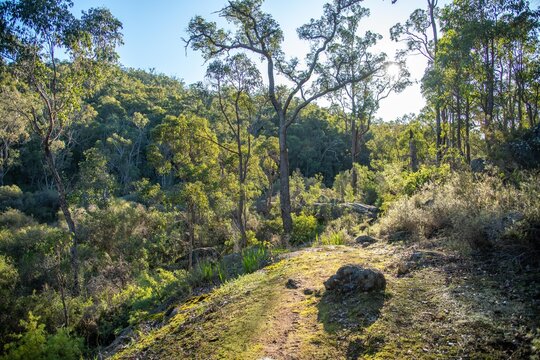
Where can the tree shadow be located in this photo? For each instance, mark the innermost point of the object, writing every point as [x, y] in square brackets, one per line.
[347, 315]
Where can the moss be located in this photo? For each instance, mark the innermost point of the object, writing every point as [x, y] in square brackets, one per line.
[424, 315]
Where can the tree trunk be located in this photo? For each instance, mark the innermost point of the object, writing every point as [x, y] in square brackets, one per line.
[284, 193]
[467, 130]
[412, 152]
[67, 214]
[354, 151]
[438, 134]
[191, 231]
[241, 218]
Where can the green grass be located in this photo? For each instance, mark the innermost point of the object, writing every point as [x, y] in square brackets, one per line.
[431, 313]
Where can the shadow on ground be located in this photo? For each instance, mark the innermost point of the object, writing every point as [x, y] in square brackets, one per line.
[346, 315]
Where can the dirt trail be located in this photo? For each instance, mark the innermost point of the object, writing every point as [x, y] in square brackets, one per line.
[439, 308]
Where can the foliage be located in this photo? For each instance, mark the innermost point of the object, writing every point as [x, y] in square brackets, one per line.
[474, 213]
[253, 258]
[304, 229]
[35, 343]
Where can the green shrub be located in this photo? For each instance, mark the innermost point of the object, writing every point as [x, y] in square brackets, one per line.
[15, 219]
[206, 270]
[34, 343]
[304, 229]
[10, 197]
[254, 258]
[333, 238]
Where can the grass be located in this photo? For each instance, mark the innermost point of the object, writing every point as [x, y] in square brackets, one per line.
[451, 310]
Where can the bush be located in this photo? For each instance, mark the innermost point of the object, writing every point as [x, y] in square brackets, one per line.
[304, 229]
[43, 205]
[480, 212]
[10, 197]
[333, 238]
[254, 258]
[34, 343]
[15, 219]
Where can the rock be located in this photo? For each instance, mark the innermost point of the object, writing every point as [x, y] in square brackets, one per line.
[352, 278]
[232, 263]
[478, 165]
[308, 291]
[365, 240]
[292, 284]
[399, 236]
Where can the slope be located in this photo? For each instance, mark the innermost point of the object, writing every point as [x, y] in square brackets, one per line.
[441, 306]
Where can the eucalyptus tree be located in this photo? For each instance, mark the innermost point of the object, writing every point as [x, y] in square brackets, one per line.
[421, 35]
[235, 80]
[257, 33]
[359, 101]
[186, 147]
[40, 32]
[13, 130]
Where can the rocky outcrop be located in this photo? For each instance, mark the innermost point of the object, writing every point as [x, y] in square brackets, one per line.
[354, 278]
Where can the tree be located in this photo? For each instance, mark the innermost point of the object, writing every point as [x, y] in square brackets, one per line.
[186, 147]
[234, 81]
[13, 130]
[360, 100]
[421, 36]
[41, 31]
[259, 34]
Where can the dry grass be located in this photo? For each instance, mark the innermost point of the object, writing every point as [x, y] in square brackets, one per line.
[472, 214]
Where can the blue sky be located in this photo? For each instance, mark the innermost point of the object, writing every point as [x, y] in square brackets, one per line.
[153, 32]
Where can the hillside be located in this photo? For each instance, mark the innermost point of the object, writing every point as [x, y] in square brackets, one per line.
[440, 305]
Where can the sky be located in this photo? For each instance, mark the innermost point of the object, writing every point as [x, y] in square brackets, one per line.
[153, 32]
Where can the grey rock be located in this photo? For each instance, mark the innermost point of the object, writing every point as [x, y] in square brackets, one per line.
[353, 278]
[292, 284]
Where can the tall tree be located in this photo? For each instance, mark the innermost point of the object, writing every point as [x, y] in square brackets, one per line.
[235, 80]
[259, 34]
[359, 101]
[420, 33]
[41, 31]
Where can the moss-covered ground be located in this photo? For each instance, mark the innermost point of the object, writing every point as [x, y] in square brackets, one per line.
[451, 308]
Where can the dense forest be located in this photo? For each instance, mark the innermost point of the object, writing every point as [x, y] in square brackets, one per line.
[126, 192]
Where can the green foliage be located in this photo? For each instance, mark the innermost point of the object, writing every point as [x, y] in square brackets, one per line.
[304, 229]
[414, 181]
[95, 186]
[254, 258]
[10, 196]
[35, 343]
[333, 238]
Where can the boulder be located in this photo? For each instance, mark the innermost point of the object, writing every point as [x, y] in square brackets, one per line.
[365, 240]
[353, 278]
[199, 255]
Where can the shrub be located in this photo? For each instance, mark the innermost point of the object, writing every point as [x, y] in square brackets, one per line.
[10, 197]
[34, 343]
[254, 258]
[43, 205]
[480, 212]
[304, 229]
[333, 238]
[15, 219]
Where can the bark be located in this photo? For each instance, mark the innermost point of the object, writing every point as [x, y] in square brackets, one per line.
[467, 130]
[413, 152]
[67, 215]
[284, 193]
